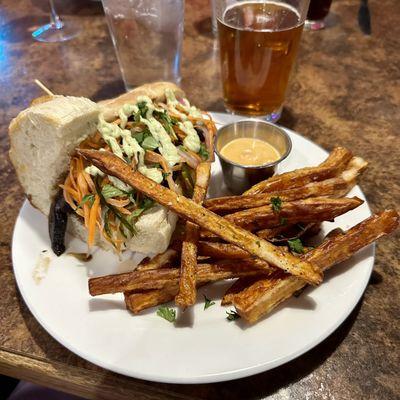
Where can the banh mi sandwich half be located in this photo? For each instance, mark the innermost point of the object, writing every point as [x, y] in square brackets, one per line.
[153, 127]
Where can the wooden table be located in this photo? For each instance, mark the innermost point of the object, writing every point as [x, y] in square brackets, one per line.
[345, 91]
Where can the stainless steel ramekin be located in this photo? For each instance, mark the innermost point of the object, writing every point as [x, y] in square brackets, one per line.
[239, 178]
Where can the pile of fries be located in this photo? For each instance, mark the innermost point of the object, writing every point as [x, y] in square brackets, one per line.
[254, 238]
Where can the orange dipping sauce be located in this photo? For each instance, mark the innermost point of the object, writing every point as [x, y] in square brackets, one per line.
[250, 152]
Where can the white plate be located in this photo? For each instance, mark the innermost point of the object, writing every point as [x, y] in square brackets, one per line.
[203, 346]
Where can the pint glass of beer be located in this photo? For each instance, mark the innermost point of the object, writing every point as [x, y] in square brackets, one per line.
[258, 41]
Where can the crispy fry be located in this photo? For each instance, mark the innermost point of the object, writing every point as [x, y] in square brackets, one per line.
[276, 235]
[187, 283]
[333, 187]
[238, 286]
[269, 233]
[221, 251]
[160, 278]
[159, 261]
[137, 302]
[313, 209]
[261, 297]
[186, 208]
[300, 211]
[334, 164]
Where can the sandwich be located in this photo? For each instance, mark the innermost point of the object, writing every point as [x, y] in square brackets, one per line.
[153, 128]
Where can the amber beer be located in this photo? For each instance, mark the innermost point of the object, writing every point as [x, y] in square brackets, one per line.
[258, 46]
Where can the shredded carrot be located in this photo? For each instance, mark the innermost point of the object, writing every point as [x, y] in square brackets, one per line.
[89, 181]
[79, 164]
[92, 220]
[68, 199]
[86, 214]
[69, 190]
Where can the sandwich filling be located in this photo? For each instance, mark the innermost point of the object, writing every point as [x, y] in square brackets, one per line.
[165, 141]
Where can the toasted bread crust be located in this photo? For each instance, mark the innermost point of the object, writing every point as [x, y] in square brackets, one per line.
[155, 90]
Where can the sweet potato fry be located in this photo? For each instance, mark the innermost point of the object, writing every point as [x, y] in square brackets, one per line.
[313, 209]
[333, 165]
[159, 261]
[189, 210]
[160, 278]
[187, 283]
[261, 297]
[333, 187]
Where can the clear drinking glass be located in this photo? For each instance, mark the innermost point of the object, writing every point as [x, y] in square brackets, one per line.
[317, 13]
[213, 17]
[56, 30]
[258, 46]
[147, 37]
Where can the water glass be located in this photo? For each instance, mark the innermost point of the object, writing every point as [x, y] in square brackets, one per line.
[213, 17]
[147, 37]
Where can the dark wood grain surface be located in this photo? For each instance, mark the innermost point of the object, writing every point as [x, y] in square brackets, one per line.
[345, 91]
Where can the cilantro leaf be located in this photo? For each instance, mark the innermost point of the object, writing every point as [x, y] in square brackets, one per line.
[135, 214]
[166, 122]
[107, 228]
[87, 198]
[131, 196]
[109, 191]
[149, 143]
[146, 203]
[296, 246]
[167, 313]
[276, 204]
[142, 106]
[207, 302]
[232, 315]
[203, 152]
[139, 136]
